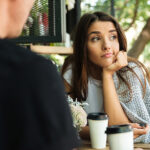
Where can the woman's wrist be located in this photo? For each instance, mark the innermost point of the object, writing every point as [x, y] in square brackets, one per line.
[107, 74]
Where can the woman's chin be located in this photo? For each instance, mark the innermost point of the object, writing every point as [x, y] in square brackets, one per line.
[107, 64]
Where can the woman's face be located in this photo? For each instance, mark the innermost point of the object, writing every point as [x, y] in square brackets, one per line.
[103, 44]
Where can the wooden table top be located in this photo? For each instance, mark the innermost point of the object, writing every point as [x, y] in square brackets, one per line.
[87, 146]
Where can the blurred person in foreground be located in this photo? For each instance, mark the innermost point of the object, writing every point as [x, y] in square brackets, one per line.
[34, 114]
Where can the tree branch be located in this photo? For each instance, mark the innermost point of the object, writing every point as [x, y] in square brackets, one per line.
[122, 8]
[141, 41]
[134, 16]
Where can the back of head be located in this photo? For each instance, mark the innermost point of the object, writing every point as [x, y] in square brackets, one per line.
[13, 15]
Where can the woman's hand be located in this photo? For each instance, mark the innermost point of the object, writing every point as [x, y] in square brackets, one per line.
[139, 130]
[85, 133]
[119, 62]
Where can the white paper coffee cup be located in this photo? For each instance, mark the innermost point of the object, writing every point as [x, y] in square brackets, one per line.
[98, 123]
[120, 137]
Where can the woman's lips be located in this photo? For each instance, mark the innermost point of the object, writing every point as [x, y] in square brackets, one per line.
[107, 55]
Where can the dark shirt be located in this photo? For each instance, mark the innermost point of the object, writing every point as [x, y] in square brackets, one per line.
[34, 114]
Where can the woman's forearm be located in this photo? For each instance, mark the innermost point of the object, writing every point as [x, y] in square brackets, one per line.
[112, 105]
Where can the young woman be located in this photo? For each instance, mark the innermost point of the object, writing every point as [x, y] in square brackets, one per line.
[100, 73]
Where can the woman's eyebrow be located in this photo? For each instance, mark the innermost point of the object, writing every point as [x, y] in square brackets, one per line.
[98, 32]
[113, 30]
[94, 32]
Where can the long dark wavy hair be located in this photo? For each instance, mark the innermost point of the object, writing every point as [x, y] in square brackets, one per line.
[79, 58]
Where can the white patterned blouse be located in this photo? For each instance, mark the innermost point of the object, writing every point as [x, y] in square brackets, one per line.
[135, 104]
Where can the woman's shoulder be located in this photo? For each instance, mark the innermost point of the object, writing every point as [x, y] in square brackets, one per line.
[135, 67]
[134, 70]
[68, 69]
[68, 74]
[132, 64]
[67, 65]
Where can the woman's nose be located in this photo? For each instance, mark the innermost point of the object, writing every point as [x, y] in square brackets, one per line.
[106, 44]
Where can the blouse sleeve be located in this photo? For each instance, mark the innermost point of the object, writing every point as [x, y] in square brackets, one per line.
[135, 103]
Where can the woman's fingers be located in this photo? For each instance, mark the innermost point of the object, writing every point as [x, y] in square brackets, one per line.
[138, 129]
[138, 132]
[119, 62]
[122, 59]
[135, 125]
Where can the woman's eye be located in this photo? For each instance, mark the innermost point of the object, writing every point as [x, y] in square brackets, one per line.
[94, 39]
[113, 37]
